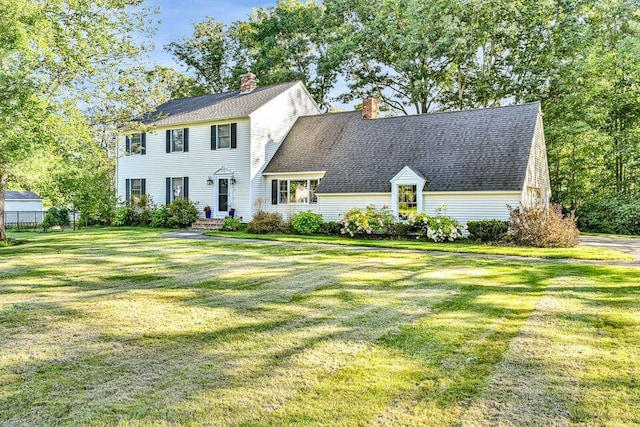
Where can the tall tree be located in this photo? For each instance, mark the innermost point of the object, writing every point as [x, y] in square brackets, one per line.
[593, 110]
[292, 40]
[51, 52]
[209, 54]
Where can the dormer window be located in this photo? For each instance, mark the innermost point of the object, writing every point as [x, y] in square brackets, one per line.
[406, 192]
[407, 200]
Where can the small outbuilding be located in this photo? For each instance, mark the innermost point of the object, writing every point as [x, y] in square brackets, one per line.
[23, 207]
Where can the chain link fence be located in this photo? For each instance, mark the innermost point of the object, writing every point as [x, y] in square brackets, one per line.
[25, 220]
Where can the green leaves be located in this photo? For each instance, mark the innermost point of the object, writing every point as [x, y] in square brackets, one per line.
[57, 58]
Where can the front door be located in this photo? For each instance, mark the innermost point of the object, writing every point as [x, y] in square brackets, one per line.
[222, 190]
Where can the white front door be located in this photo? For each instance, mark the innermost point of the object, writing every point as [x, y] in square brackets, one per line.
[223, 197]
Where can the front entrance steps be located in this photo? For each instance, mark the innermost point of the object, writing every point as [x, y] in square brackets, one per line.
[207, 224]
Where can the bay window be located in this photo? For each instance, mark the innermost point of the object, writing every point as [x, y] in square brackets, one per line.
[294, 191]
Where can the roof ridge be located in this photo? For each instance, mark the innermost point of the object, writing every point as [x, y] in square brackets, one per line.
[231, 91]
[221, 105]
[470, 110]
[426, 114]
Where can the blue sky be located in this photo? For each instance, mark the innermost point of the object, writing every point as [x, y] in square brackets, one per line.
[177, 19]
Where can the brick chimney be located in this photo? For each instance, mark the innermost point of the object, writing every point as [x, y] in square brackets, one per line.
[370, 108]
[248, 82]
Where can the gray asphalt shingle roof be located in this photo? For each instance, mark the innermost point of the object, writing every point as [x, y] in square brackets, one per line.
[474, 150]
[217, 106]
[21, 195]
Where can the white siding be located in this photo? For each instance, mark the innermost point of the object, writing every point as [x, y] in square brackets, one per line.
[537, 176]
[472, 206]
[332, 206]
[23, 205]
[269, 126]
[23, 212]
[198, 164]
[461, 206]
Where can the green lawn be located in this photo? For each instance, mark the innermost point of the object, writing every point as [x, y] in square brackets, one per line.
[586, 253]
[120, 327]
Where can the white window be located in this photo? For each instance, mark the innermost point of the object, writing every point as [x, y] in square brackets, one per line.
[299, 191]
[407, 200]
[313, 184]
[136, 143]
[283, 191]
[177, 140]
[136, 188]
[224, 136]
[177, 188]
[534, 194]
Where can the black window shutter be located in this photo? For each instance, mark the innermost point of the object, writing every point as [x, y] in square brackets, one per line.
[274, 191]
[214, 131]
[234, 135]
[127, 190]
[144, 143]
[127, 145]
[168, 141]
[168, 198]
[186, 140]
[185, 185]
[143, 186]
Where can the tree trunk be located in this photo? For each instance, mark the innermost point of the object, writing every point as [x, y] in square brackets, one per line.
[4, 177]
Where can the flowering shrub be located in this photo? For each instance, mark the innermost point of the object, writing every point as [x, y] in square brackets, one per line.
[443, 228]
[418, 221]
[439, 228]
[541, 227]
[370, 220]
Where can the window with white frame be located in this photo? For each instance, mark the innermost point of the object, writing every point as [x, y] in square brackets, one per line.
[177, 140]
[534, 194]
[136, 188]
[177, 188]
[407, 200]
[297, 191]
[224, 136]
[283, 191]
[313, 184]
[136, 143]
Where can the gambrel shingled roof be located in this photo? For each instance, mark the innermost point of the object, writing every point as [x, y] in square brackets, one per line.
[225, 105]
[473, 150]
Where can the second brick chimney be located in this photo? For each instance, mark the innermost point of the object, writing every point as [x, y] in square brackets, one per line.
[248, 82]
[370, 108]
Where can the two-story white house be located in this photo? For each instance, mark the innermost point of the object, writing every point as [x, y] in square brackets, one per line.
[271, 148]
[212, 149]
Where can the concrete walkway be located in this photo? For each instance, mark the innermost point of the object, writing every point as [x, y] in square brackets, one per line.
[623, 244]
[632, 247]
